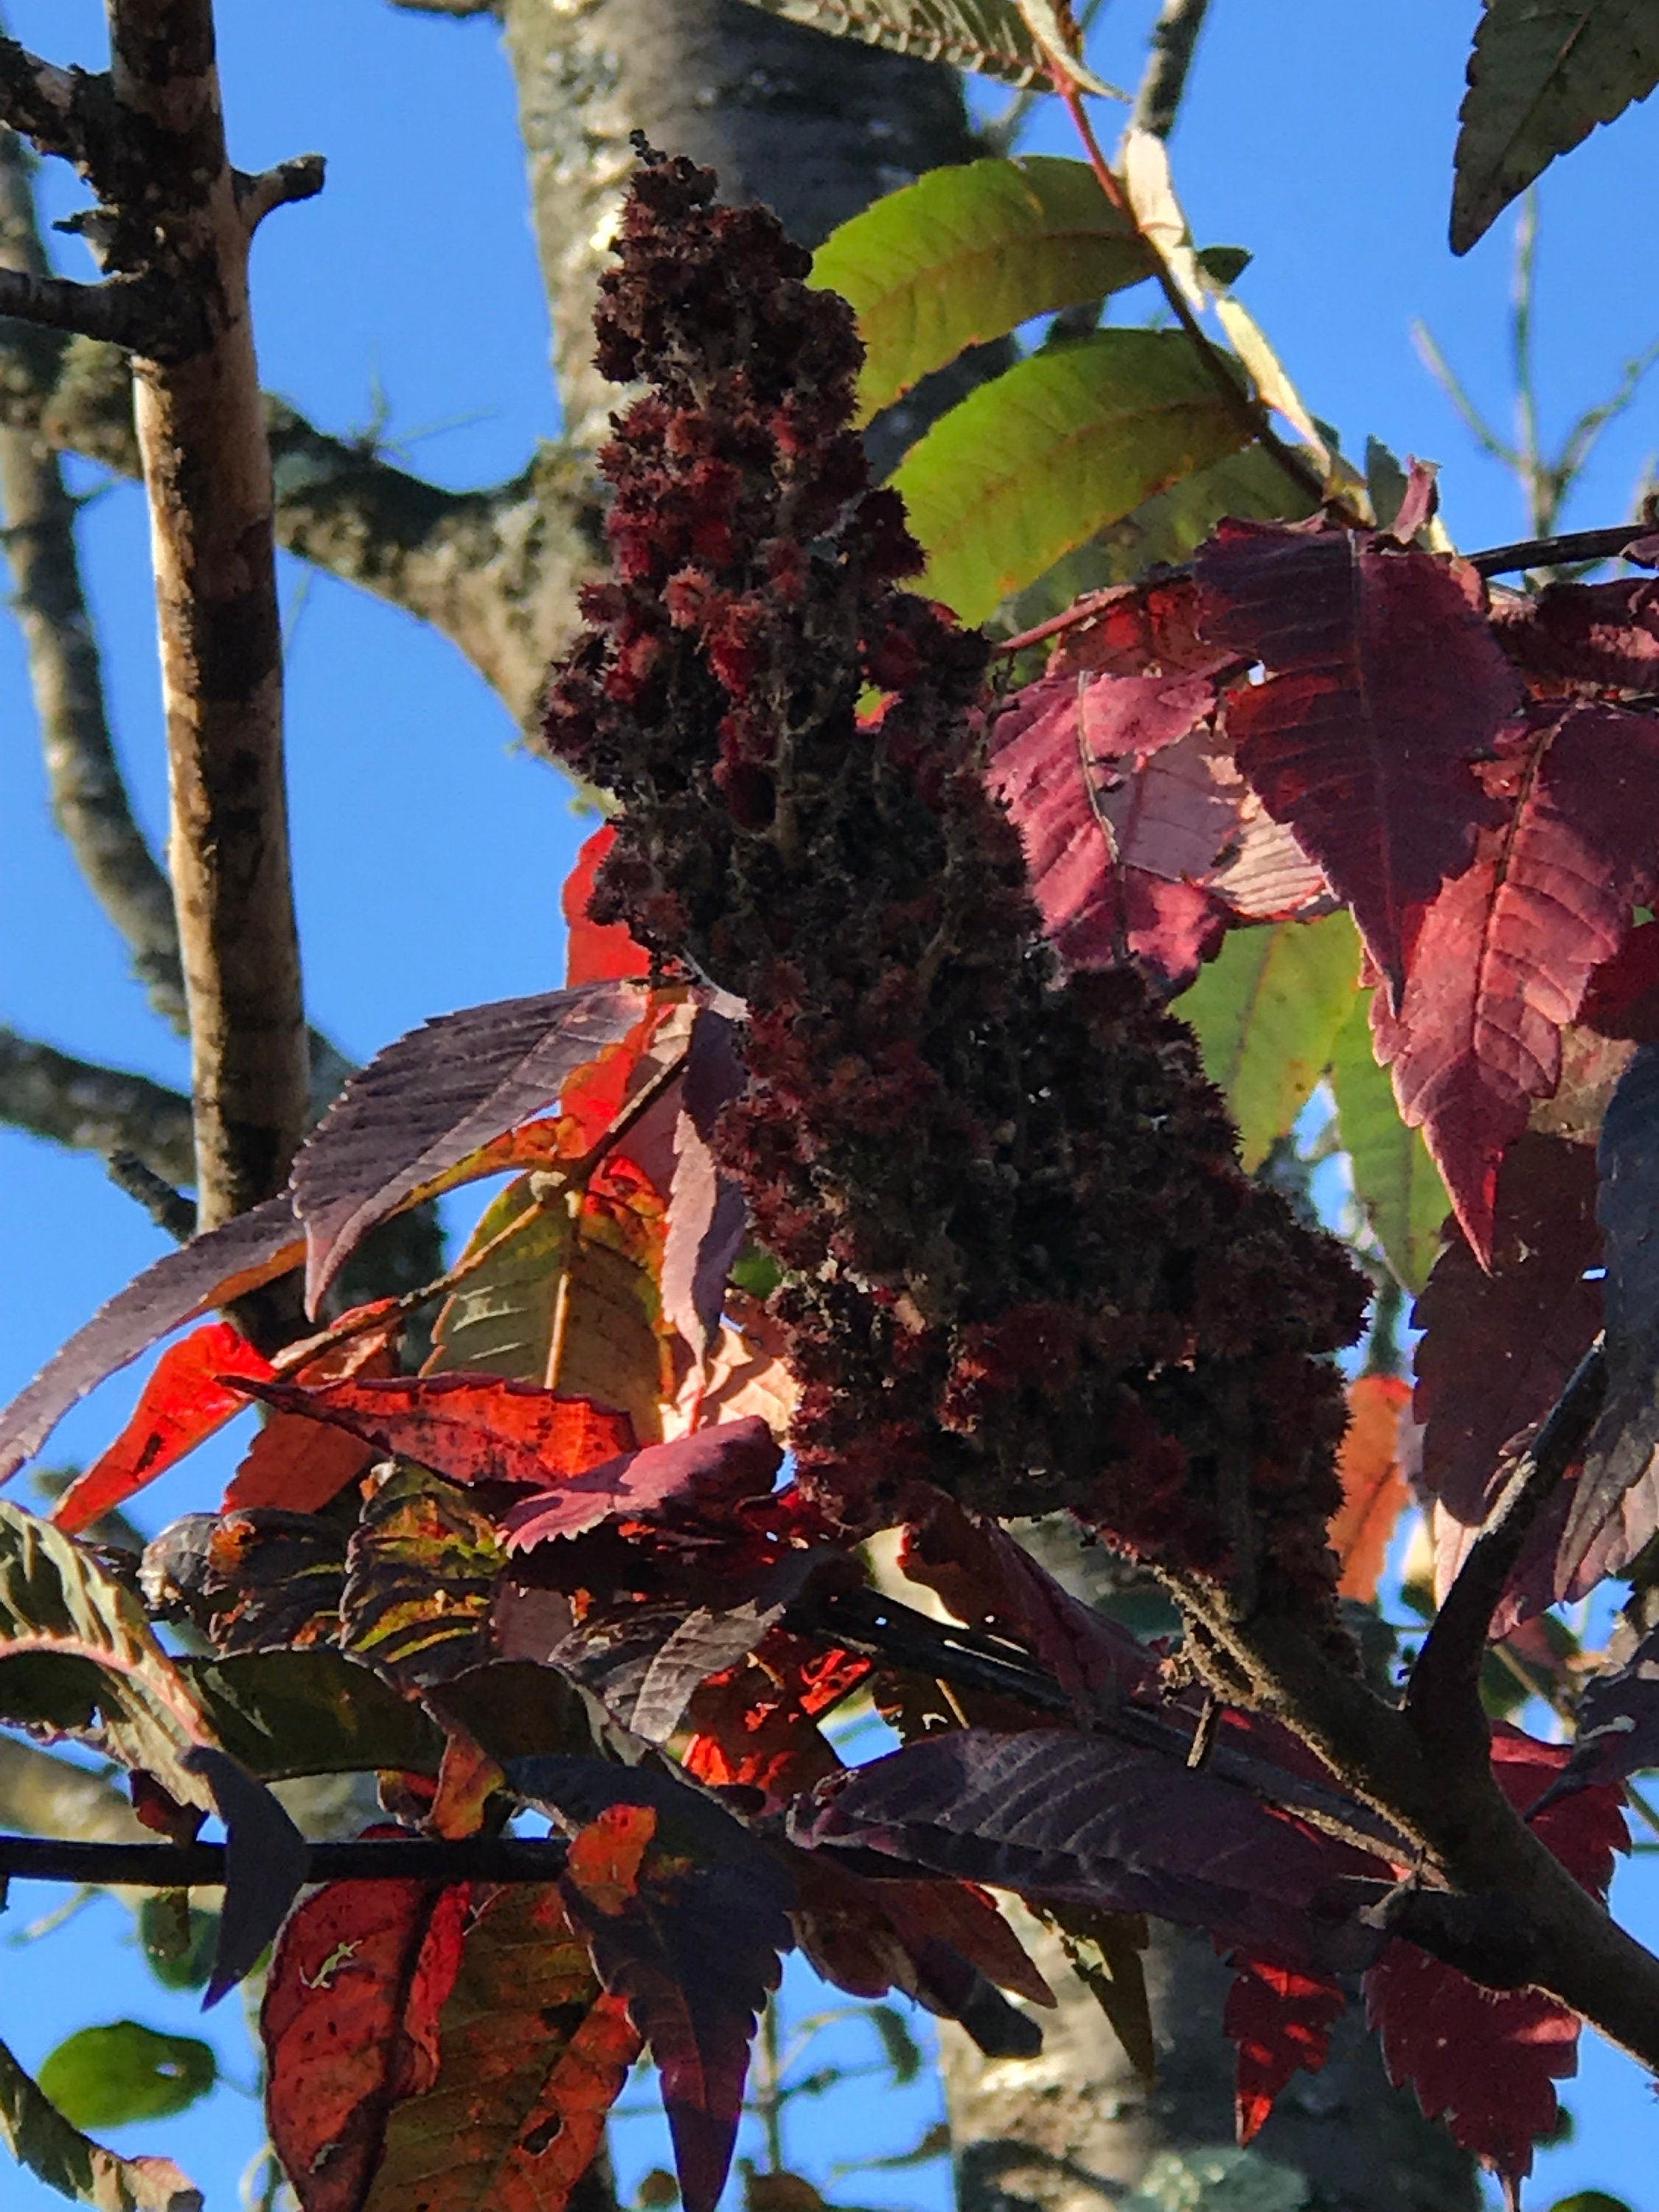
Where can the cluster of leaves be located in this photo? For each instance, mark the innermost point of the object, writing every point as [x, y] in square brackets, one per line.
[862, 1127]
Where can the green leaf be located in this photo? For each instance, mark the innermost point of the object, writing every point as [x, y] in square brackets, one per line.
[106, 2077]
[1064, 443]
[1589, 2200]
[420, 1572]
[178, 1939]
[1395, 1179]
[1267, 1011]
[1543, 73]
[988, 36]
[898, 2046]
[39, 2136]
[317, 1711]
[80, 1659]
[1224, 264]
[965, 255]
[500, 1320]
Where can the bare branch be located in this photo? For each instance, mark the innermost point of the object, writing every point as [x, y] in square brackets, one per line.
[116, 310]
[45, 103]
[1171, 47]
[207, 472]
[94, 1110]
[289, 182]
[201, 1866]
[89, 800]
[169, 1209]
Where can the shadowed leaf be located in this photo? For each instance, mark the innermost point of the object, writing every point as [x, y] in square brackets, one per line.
[282, 1713]
[428, 1101]
[967, 255]
[1395, 1179]
[735, 1458]
[989, 37]
[1542, 75]
[707, 1218]
[266, 1861]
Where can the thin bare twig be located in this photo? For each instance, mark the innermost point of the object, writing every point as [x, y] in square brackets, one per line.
[169, 1209]
[1173, 43]
[92, 1108]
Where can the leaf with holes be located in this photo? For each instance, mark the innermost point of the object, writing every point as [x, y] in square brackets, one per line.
[1542, 75]
[532, 2054]
[107, 2077]
[1505, 952]
[1384, 686]
[967, 255]
[210, 1270]
[350, 2027]
[422, 1108]
[1267, 1011]
[470, 1429]
[1057, 446]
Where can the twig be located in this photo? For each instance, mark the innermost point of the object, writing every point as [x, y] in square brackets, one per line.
[1550, 552]
[91, 1108]
[89, 800]
[289, 182]
[201, 1866]
[1249, 412]
[119, 310]
[1443, 1700]
[169, 1209]
[1173, 42]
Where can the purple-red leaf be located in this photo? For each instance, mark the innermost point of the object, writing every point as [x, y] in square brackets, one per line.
[694, 1948]
[1140, 835]
[1504, 954]
[210, 1270]
[1091, 1821]
[706, 1215]
[432, 1099]
[1487, 2061]
[1280, 2020]
[733, 1458]
[1499, 1345]
[1604, 637]
[470, 1428]
[1615, 1509]
[1383, 685]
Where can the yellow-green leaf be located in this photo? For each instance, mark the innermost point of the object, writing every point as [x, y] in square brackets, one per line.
[1064, 443]
[107, 2077]
[988, 36]
[1267, 1011]
[1395, 1179]
[39, 2136]
[966, 254]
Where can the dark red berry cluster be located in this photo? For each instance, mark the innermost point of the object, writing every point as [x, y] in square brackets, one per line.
[1024, 1265]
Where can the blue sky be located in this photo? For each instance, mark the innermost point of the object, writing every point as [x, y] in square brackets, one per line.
[430, 849]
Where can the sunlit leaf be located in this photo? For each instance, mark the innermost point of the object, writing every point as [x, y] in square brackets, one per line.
[39, 2136]
[107, 2077]
[1395, 1179]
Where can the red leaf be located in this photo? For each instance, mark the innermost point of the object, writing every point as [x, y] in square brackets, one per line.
[428, 1102]
[1499, 1345]
[1131, 813]
[210, 1270]
[736, 1458]
[606, 1855]
[351, 2025]
[1622, 998]
[470, 1429]
[596, 952]
[1383, 684]
[1485, 2061]
[302, 1464]
[1505, 952]
[186, 1400]
[1375, 1492]
[1280, 2020]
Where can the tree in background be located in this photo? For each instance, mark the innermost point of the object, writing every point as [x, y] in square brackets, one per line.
[812, 1051]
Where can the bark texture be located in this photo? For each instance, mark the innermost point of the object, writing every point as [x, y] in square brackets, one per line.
[207, 471]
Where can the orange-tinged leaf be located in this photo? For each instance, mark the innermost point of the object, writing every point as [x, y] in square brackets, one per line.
[467, 1778]
[300, 1465]
[1375, 1492]
[349, 2024]
[597, 952]
[532, 2054]
[189, 1396]
[605, 1855]
[471, 1428]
